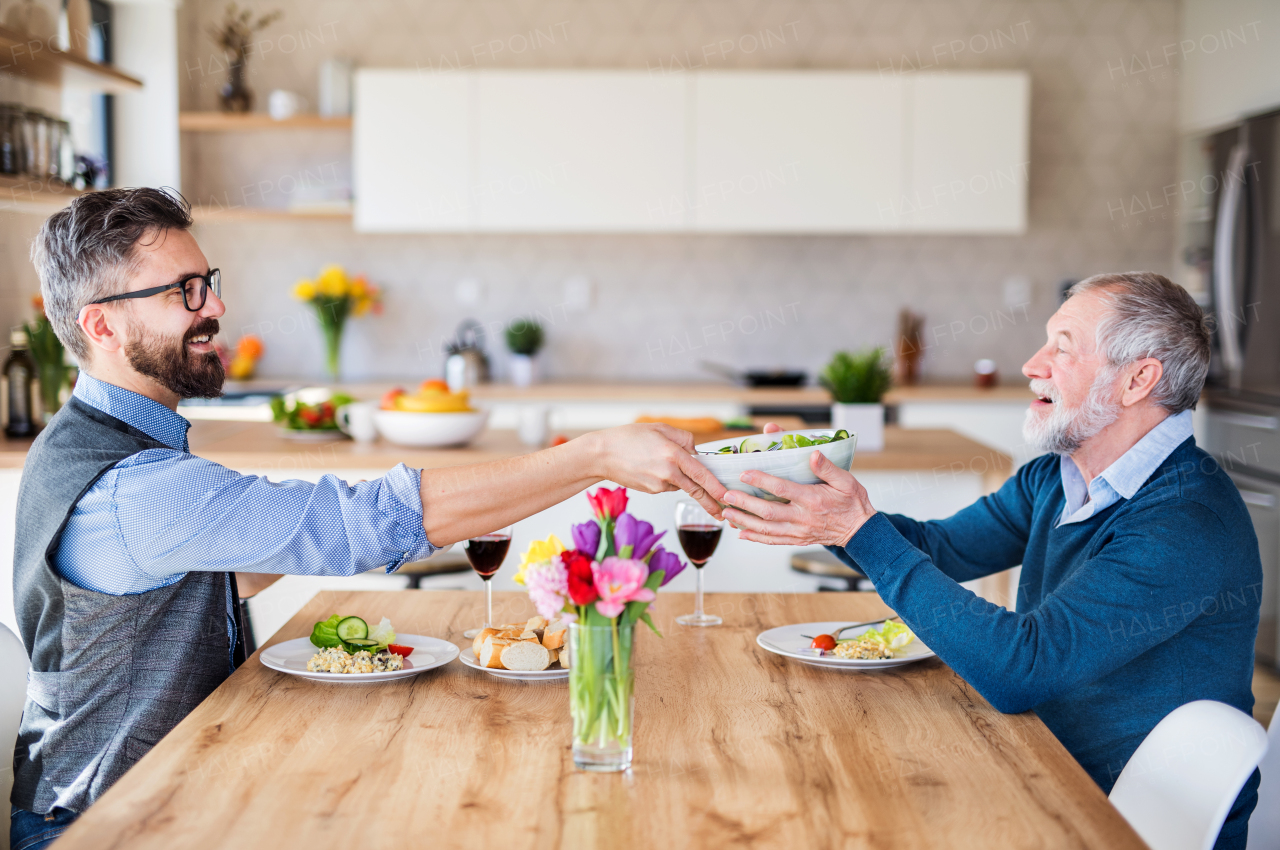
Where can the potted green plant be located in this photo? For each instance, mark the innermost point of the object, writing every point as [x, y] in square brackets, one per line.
[857, 382]
[524, 339]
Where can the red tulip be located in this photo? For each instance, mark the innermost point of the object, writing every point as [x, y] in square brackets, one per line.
[582, 583]
[608, 504]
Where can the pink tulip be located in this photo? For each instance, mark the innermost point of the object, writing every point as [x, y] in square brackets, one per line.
[619, 581]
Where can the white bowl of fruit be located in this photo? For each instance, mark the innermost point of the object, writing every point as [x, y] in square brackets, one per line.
[432, 417]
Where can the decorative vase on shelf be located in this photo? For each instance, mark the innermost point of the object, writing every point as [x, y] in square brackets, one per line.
[235, 96]
[857, 382]
[235, 36]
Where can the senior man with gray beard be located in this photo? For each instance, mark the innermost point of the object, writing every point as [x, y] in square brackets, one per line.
[1141, 579]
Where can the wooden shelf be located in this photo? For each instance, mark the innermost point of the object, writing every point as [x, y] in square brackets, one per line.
[231, 122]
[40, 61]
[34, 195]
[216, 214]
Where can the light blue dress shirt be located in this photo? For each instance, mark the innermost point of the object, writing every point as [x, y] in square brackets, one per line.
[1121, 479]
[161, 513]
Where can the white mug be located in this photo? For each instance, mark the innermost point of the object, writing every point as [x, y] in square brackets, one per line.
[533, 425]
[356, 421]
[283, 105]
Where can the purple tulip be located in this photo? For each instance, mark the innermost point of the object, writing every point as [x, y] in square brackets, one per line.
[586, 538]
[668, 562]
[635, 533]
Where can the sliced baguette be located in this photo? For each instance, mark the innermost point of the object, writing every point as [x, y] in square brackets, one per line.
[526, 655]
[536, 623]
[555, 634]
[491, 652]
[478, 643]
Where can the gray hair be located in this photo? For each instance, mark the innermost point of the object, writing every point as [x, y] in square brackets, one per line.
[1151, 316]
[86, 251]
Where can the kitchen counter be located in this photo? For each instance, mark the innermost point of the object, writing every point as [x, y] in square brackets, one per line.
[259, 446]
[680, 392]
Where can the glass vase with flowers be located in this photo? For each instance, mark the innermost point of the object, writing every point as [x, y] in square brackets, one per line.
[335, 297]
[603, 587]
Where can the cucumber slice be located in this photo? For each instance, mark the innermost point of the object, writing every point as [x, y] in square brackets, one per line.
[758, 443]
[360, 645]
[352, 628]
[842, 434]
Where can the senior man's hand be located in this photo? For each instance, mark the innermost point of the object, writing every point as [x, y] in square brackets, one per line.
[829, 513]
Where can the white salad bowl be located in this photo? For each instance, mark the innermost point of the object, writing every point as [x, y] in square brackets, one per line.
[423, 430]
[788, 464]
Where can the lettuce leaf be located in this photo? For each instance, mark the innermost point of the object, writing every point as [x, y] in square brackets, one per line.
[383, 633]
[325, 633]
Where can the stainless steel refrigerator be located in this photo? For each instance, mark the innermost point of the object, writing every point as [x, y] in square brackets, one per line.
[1236, 239]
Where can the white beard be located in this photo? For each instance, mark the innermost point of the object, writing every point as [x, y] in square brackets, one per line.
[1065, 429]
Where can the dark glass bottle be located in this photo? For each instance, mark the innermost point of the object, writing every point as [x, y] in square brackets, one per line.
[19, 375]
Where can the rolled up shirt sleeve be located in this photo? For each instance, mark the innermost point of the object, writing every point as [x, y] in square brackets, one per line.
[176, 512]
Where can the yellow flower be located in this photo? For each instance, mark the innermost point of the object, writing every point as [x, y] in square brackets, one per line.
[333, 282]
[359, 287]
[305, 290]
[538, 552]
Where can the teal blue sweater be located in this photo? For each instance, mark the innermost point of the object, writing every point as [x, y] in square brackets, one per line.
[1120, 619]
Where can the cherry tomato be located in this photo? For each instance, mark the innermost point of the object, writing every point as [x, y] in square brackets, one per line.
[559, 440]
[400, 650]
[824, 642]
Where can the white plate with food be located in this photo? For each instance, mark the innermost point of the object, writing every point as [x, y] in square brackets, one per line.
[866, 647]
[551, 673]
[346, 648]
[528, 651]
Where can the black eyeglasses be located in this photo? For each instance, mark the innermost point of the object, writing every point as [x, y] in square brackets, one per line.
[195, 290]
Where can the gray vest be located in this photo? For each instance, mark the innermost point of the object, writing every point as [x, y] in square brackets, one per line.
[110, 675]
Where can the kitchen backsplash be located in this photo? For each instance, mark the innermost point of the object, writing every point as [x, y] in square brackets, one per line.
[655, 306]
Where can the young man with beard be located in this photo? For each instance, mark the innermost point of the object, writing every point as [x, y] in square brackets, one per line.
[1141, 578]
[130, 551]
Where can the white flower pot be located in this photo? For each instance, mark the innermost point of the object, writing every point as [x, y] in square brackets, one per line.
[865, 420]
[523, 370]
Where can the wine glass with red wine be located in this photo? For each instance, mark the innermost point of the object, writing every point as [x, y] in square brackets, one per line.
[699, 533]
[486, 554]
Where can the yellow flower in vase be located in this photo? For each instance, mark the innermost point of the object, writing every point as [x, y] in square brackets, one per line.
[333, 282]
[304, 290]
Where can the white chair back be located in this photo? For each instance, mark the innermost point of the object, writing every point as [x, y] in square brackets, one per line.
[1264, 826]
[13, 694]
[1179, 786]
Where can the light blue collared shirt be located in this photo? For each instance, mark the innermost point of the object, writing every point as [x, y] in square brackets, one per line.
[1121, 479]
[161, 513]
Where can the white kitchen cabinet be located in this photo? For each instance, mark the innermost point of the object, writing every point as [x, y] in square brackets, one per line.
[797, 151]
[412, 151]
[732, 151]
[967, 152]
[580, 151]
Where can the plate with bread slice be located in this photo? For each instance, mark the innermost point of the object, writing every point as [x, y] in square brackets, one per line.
[532, 651]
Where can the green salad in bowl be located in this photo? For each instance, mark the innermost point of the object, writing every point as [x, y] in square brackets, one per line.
[783, 454]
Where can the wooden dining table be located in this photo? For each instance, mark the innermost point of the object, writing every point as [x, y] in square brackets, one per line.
[734, 746]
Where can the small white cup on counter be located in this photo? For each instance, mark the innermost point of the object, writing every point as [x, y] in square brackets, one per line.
[356, 421]
[533, 424]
